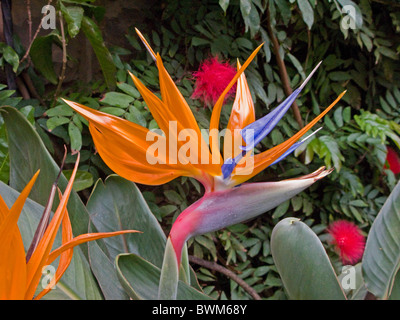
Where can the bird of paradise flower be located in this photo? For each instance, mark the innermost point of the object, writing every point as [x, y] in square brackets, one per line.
[21, 272]
[228, 200]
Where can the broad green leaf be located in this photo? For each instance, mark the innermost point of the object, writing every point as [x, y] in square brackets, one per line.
[338, 116]
[10, 56]
[61, 110]
[395, 294]
[329, 149]
[27, 155]
[196, 41]
[104, 57]
[75, 136]
[140, 280]
[302, 262]
[250, 16]
[118, 203]
[4, 154]
[114, 111]
[114, 205]
[381, 259]
[224, 4]
[128, 89]
[245, 7]
[284, 10]
[104, 270]
[73, 16]
[169, 278]
[297, 65]
[307, 12]
[388, 52]
[41, 54]
[367, 41]
[55, 122]
[281, 209]
[83, 179]
[117, 99]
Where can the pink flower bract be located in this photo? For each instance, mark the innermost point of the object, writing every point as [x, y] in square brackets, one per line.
[348, 240]
[211, 79]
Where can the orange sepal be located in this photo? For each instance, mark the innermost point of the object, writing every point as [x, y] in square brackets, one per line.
[12, 252]
[39, 256]
[216, 113]
[266, 158]
[242, 114]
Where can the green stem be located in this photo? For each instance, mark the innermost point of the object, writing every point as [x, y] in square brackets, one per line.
[168, 286]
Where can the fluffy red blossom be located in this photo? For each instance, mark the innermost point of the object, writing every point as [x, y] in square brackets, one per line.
[348, 240]
[393, 160]
[212, 78]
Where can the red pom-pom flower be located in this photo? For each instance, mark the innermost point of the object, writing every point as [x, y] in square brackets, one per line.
[348, 240]
[212, 77]
[393, 160]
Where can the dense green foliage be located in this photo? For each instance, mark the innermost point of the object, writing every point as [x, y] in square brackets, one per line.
[359, 49]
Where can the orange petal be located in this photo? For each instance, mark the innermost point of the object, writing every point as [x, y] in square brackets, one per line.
[266, 158]
[85, 238]
[124, 145]
[66, 251]
[173, 106]
[173, 109]
[13, 269]
[40, 255]
[242, 114]
[174, 100]
[4, 210]
[215, 116]
[12, 253]
[153, 55]
[9, 223]
[65, 257]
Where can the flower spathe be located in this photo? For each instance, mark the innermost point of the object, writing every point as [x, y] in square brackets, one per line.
[20, 275]
[348, 240]
[123, 145]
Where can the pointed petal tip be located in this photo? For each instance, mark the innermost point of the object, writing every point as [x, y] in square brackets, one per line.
[309, 76]
[321, 173]
[146, 44]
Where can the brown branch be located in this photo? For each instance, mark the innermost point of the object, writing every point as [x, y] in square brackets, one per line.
[282, 70]
[64, 60]
[35, 35]
[28, 8]
[216, 267]
[22, 88]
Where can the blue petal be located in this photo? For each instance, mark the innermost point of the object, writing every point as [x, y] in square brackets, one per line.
[230, 164]
[256, 131]
[259, 129]
[228, 167]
